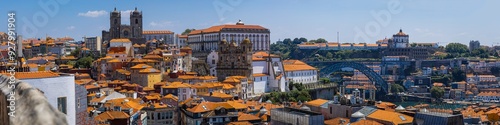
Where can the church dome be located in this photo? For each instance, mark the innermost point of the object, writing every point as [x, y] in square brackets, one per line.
[136, 11]
[358, 115]
[246, 41]
[400, 33]
[114, 11]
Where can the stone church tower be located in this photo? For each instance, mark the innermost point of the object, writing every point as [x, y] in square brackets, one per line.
[117, 30]
[234, 60]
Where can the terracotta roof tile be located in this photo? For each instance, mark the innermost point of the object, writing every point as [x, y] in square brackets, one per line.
[296, 65]
[147, 32]
[366, 122]
[317, 102]
[220, 27]
[33, 75]
[120, 40]
[392, 117]
[247, 117]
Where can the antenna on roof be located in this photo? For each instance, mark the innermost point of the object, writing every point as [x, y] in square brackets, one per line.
[338, 39]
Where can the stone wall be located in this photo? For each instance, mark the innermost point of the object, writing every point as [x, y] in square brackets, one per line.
[31, 106]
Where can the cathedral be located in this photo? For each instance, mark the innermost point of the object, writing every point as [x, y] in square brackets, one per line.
[117, 30]
[234, 60]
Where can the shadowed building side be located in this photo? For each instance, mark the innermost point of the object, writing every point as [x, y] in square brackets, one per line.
[31, 107]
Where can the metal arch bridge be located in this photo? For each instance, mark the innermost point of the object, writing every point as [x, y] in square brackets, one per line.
[372, 75]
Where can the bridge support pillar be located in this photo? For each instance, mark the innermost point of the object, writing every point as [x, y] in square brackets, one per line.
[364, 94]
[372, 94]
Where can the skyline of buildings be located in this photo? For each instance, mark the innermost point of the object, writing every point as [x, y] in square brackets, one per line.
[230, 74]
[88, 21]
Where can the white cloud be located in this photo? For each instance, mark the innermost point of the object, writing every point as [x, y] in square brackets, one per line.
[160, 24]
[70, 27]
[93, 14]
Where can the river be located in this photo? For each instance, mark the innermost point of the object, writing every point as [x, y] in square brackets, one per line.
[437, 106]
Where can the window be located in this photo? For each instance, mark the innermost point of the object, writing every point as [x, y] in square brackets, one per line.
[331, 110]
[78, 102]
[61, 104]
[213, 61]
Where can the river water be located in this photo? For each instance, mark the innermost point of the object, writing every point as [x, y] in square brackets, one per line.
[437, 106]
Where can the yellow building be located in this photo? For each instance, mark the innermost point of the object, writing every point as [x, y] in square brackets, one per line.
[149, 76]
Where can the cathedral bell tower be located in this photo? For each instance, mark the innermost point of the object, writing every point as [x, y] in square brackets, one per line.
[114, 24]
[136, 23]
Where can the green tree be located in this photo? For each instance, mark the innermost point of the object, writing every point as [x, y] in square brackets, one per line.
[458, 75]
[324, 80]
[287, 41]
[480, 52]
[329, 55]
[290, 86]
[296, 41]
[396, 88]
[437, 92]
[187, 31]
[85, 62]
[456, 48]
[302, 39]
[71, 63]
[76, 52]
[413, 44]
[321, 40]
[495, 71]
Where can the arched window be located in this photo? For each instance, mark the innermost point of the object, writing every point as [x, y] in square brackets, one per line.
[136, 21]
[116, 21]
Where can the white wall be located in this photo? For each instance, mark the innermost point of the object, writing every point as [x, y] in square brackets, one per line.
[305, 76]
[63, 86]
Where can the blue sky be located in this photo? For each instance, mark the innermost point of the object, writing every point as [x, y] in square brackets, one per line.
[442, 21]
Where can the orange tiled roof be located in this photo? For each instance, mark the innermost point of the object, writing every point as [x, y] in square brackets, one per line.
[296, 65]
[152, 56]
[117, 50]
[120, 40]
[149, 70]
[140, 66]
[259, 75]
[176, 85]
[219, 95]
[232, 80]
[33, 75]
[203, 107]
[170, 96]
[111, 115]
[146, 32]
[247, 117]
[366, 122]
[227, 86]
[317, 102]
[392, 117]
[236, 105]
[240, 123]
[228, 26]
[336, 121]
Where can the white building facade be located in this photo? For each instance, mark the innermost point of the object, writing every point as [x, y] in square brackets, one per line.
[206, 40]
[299, 72]
[59, 90]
